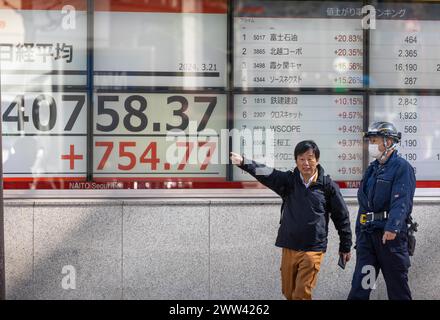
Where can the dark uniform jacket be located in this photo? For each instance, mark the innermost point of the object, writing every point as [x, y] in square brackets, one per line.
[388, 187]
[305, 211]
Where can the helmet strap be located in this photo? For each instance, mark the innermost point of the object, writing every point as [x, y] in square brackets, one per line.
[387, 149]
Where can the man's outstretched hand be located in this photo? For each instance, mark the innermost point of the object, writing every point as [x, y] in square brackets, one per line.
[236, 158]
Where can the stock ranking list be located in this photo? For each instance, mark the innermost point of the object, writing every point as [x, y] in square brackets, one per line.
[297, 44]
[334, 122]
[405, 47]
[417, 117]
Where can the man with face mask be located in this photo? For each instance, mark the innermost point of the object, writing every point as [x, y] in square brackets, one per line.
[385, 203]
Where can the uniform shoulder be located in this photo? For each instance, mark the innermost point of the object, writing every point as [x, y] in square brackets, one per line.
[403, 165]
[401, 162]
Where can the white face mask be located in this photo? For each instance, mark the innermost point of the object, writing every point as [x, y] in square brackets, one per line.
[373, 151]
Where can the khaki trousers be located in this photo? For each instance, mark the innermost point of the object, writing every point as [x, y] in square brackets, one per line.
[299, 273]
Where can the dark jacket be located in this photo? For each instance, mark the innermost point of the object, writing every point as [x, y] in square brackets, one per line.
[388, 187]
[305, 211]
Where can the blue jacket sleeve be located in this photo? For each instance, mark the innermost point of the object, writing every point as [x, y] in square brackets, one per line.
[362, 200]
[402, 193]
[276, 180]
[362, 209]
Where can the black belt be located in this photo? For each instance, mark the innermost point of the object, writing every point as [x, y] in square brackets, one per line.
[372, 216]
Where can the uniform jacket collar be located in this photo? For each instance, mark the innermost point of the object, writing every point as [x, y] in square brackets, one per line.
[390, 159]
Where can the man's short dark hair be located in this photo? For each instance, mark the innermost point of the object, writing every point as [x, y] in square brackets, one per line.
[305, 146]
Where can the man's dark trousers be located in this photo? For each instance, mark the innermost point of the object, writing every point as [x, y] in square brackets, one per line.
[392, 258]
